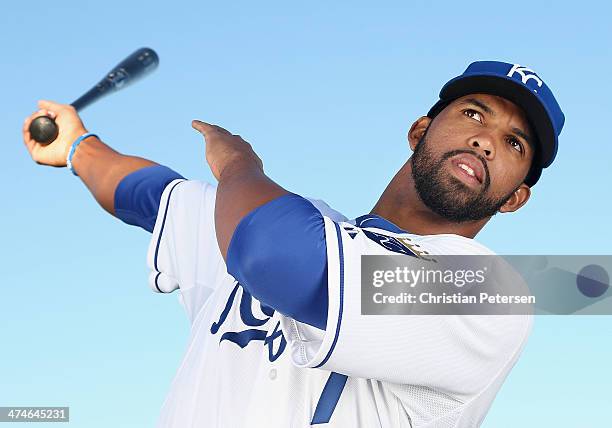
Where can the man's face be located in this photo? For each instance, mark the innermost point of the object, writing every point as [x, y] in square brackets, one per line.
[473, 158]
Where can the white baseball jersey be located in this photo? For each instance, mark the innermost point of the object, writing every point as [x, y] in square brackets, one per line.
[246, 365]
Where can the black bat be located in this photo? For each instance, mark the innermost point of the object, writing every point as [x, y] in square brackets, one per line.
[44, 130]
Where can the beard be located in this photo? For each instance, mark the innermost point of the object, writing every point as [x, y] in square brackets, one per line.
[446, 195]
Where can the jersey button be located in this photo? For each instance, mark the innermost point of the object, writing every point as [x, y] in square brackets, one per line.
[272, 374]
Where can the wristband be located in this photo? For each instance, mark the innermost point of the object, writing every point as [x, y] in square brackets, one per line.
[73, 149]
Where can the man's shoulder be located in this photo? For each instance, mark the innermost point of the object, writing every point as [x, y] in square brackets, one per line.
[326, 210]
[455, 244]
[443, 243]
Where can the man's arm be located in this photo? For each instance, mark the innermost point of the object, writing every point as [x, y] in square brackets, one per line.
[99, 166]
[273, 241]
[242, 187]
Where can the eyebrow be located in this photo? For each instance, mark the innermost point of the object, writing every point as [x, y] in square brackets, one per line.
[490, 111]
[525, 137]
[480, 104]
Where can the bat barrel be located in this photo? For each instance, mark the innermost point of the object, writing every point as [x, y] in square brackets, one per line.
[137, 65]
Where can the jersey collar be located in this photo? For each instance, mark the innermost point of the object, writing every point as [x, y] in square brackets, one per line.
[373, 220]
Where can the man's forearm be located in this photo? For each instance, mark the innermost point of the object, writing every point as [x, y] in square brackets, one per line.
[243, 186]
[277, 238]
[101, 168]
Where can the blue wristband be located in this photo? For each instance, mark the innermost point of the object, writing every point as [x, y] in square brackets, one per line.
[73, 149]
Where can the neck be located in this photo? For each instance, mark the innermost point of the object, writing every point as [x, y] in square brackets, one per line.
[401, 205]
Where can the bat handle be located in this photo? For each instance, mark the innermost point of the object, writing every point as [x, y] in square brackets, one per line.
[44, 130]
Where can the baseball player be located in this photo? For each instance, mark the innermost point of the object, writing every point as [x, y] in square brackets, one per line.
[270, 281]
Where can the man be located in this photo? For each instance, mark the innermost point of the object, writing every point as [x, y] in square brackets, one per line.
[270, 280]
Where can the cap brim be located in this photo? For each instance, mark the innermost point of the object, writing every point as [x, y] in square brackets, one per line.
[536, 111]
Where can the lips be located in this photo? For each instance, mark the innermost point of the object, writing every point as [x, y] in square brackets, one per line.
[469, 167]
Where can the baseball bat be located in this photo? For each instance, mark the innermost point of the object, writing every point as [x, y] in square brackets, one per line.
[44, 130]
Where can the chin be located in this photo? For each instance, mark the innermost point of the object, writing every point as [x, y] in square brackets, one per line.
[453, 185]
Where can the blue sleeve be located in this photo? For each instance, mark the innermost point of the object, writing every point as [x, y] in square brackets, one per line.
[278, 254]
[138, 195]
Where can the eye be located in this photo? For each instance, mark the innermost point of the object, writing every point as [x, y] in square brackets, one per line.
[516, 144]
[473, 114]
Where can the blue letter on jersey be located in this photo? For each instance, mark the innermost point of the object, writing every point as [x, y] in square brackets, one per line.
[244, 337]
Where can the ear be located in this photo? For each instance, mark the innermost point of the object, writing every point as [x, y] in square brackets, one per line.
[517, 199]
[417, 130]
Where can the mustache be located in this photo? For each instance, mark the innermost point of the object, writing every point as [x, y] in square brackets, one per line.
[448, 155]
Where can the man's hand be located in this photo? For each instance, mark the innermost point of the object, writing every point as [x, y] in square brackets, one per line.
[70, 128]
[225, 151]
[100, 167]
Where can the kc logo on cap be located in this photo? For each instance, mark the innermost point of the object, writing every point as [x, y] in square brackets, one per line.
[521, 71]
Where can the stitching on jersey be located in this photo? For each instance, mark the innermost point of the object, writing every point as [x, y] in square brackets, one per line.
[295, 333]
[161, 232]
[156, 278]
[341, 256]
[202, 203]
[400, 412]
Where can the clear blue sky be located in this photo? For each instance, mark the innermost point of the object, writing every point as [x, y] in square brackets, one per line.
[326, 94]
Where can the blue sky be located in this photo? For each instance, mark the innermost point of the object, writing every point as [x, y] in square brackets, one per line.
[325, 94]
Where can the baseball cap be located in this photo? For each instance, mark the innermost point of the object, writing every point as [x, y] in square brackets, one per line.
[525, 88]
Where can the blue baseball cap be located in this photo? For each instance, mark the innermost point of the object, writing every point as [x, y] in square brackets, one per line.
[523, 87]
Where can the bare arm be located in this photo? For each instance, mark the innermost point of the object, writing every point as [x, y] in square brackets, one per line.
[243, 186]
[278, 250]
[99, 166]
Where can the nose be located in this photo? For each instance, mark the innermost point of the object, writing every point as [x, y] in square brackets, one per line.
[484, 145]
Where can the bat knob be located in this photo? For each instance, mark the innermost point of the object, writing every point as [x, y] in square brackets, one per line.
[43, 130]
